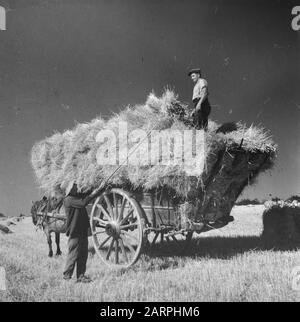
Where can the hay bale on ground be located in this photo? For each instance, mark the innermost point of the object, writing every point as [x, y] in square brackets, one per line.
[232, 158]
[293, 198]
[5, 229]
[10, 223]
[16, 219]
[281, 224]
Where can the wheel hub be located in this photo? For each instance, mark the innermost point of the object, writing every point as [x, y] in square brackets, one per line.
[112, 229]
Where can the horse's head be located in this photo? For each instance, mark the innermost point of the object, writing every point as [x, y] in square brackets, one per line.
[36, 207]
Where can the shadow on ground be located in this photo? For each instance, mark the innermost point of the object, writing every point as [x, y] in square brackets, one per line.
[216, 247]
[167, 255]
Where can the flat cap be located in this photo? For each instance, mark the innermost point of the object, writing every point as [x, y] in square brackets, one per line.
[194, 71]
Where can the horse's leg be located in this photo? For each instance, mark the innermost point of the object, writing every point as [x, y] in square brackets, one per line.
[57, 239]
[48, 235]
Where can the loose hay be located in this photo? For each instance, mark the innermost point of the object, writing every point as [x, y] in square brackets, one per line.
[231, 159]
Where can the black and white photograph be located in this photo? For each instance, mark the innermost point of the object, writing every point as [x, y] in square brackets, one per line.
[149, 153]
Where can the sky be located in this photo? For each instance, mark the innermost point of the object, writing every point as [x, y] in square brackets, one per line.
[63, 62]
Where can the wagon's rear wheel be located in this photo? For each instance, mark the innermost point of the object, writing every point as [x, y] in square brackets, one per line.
[117, 225]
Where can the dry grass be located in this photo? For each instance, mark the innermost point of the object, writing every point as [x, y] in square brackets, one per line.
[226, 265]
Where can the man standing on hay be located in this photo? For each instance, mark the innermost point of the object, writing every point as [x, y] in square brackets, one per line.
[200, 100]
[77, 231]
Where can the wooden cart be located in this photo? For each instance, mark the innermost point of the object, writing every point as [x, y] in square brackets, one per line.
[123, 223]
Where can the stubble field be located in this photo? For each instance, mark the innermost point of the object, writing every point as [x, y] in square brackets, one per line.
[229, 264]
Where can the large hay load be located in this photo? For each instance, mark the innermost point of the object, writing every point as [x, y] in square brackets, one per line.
[281, 223]
[231, 158]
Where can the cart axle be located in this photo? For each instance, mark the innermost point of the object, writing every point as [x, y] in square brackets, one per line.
[113, 229]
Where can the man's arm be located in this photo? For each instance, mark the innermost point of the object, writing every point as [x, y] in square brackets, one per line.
[78, 202]
[204, 94]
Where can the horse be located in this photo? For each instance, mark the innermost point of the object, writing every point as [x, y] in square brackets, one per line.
[49, 215]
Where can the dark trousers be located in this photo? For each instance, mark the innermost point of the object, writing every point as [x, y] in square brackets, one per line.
[200, 120]
[77, 254]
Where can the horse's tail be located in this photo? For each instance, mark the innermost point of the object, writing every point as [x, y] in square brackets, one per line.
[33, 212]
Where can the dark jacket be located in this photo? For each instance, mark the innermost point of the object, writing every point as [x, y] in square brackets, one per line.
[77, 216]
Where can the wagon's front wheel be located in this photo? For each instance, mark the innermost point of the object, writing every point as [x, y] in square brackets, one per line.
[117, 225]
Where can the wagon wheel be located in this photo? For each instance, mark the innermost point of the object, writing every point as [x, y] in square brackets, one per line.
[117, 225]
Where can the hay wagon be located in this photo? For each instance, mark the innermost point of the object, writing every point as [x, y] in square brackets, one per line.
[124, 223]
[125, 219]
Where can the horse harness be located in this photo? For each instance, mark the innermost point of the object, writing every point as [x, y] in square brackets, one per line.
[43, 213]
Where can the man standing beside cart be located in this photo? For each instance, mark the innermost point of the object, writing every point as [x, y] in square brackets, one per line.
[77, 230]
[202, 106]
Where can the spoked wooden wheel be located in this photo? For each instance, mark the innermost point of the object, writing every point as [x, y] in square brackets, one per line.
[117, 226]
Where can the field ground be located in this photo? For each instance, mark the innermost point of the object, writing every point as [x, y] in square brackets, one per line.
[229, 264]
